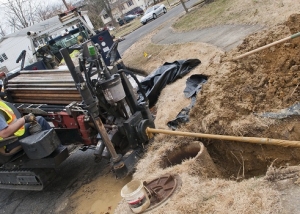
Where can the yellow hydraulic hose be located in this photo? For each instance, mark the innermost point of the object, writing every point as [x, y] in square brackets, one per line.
[267, 46]
[267, 141]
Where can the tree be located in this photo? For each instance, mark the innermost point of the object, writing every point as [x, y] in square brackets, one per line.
[2, 32]
[95, 7]
[108, 10]
[48, 11]
[24, 13]
[20, 14]
[183, 4]
[65, 3]
[94, 10]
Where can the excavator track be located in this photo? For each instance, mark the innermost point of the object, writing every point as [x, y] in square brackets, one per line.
[35, 179]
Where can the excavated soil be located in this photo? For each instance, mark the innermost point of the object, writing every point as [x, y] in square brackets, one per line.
[233, 177]
[263, 82]
[252, 178]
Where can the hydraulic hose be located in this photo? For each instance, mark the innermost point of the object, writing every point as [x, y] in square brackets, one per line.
[137, 82]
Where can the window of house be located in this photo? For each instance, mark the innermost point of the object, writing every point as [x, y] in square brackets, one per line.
[122, 7]
[4, 56]
[105, 16]
[129, 3]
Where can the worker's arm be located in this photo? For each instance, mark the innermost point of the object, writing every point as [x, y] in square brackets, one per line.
[12, 128]
[9, 130]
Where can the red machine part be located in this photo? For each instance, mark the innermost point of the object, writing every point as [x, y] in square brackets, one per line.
[63, 120]
[85, 131]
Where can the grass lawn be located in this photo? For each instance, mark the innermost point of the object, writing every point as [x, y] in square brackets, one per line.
[204, 16]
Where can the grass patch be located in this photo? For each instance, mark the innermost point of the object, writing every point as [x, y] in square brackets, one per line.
[139, 59]
[206, 15]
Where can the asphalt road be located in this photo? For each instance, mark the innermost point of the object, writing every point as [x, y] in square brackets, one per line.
[131, 38]
[78, 169]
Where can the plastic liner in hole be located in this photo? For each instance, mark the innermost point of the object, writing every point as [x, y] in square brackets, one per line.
[283, 113]
[193, 86]
[166, 74]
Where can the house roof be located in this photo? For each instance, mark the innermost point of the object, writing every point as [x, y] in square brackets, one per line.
[37, 27]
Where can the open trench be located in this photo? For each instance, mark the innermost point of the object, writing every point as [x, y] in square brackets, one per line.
[235, 160]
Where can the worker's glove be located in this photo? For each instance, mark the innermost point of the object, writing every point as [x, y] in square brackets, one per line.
[29, 118]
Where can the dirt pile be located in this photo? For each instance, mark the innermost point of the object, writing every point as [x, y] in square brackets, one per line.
[263, 82]
[228, 104]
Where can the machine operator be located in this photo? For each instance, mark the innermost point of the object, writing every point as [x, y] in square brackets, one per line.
[11, 125]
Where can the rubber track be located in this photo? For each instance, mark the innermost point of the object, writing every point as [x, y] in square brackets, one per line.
[25, 179]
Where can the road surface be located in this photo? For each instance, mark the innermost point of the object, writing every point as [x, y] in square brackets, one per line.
[225, 37]
[131, 38]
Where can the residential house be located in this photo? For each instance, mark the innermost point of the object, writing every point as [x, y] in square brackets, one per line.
[121, 7]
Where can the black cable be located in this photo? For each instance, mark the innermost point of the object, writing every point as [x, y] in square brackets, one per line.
[137, 82]
[86, 74]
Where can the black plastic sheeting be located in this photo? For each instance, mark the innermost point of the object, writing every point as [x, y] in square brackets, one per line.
[167, 73]
[284, 113]
[193, 86]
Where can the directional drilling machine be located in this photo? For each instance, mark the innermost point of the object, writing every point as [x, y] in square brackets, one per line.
[101, 110]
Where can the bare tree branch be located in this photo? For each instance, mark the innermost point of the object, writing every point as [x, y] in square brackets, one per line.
[2, 32]
[48, 11]
[24, 13]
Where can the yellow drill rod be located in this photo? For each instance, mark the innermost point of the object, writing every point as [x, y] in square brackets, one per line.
[267, 141]
[267, 46]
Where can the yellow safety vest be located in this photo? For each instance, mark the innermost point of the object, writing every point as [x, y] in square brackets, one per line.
[11, 118]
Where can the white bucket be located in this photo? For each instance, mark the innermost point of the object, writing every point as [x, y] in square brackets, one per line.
[136, 196]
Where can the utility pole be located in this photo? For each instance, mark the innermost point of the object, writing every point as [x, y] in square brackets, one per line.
[65, 3]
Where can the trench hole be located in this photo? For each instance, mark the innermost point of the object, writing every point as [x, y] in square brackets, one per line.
[238, 161]
[178, 155]
[234, 160]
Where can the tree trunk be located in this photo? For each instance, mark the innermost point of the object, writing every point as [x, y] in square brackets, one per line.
[186, 10]
[109, 12]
